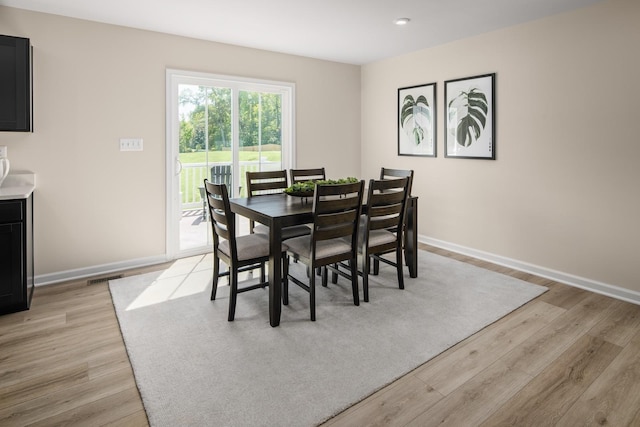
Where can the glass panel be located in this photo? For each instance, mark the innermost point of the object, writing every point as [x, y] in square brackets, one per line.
[205, 146]
[260, 133]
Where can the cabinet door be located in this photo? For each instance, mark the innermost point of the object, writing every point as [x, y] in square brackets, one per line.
[12, 290]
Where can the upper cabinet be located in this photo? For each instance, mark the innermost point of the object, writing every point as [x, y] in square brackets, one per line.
[16, 98]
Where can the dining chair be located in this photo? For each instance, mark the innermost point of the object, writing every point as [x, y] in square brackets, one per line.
[303, 175]
[271, 182]
[389, 173]
[240, 253]
[380, 230]
[334, 237]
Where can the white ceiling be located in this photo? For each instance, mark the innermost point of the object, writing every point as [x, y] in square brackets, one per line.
[350, 31]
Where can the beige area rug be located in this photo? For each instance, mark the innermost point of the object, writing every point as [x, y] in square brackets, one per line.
[194, 368]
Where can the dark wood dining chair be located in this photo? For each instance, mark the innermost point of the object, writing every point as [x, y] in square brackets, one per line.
[389, 173]
[334, 237]
[303, 175]
[240, 253]
[380, 229]
[271, 182]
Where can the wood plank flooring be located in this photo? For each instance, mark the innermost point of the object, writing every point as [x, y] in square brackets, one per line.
[567, 358]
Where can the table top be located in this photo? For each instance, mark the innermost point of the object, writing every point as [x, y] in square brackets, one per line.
[289, 210]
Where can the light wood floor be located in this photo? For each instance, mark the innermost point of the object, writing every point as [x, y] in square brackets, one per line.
[569, 357]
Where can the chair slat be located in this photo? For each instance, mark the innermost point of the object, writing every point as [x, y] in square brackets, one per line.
[266, 182]
[388, 197]
[386, 210]
[303, 175]
[269, 185]
[383, 223]
[327, 233]
[332, 219]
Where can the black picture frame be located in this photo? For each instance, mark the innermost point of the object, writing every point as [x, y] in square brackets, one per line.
[469, 121]
[417, 120]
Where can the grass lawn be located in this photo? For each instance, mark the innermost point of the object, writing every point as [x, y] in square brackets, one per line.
[225, 156]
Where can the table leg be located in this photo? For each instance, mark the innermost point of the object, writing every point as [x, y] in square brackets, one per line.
[275, 272]
[411, 238]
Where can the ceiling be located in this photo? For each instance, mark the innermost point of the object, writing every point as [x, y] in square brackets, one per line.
[349, 31]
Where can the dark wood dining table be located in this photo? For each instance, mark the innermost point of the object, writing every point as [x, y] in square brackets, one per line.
[280, 210]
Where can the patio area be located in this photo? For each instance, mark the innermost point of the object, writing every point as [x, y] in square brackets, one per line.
[195, 229]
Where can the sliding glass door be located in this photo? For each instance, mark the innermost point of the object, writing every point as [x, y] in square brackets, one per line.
[218, 128]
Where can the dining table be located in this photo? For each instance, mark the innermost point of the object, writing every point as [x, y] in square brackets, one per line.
[281, 210]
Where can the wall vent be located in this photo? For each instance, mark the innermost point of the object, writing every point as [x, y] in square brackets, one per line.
[104, 279]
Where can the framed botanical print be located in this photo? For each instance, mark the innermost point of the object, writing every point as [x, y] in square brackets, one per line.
[470, 117]
[417, 120]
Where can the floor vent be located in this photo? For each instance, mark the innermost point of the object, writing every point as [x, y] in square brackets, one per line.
[104, 279]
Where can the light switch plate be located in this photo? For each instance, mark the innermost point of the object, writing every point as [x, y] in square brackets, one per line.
[3, 151]
[130, 144]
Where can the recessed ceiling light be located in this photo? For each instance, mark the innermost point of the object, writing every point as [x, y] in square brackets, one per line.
[402, 21]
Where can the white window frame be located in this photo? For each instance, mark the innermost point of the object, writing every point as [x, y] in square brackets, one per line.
[174, 78]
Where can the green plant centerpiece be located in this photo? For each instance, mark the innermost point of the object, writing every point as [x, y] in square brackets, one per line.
[306, 188]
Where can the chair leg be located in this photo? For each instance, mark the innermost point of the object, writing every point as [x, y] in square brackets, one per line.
[216, 275]
[312, 296]
[334, 275]
[233, 292]
[262, 273]
[354, 281]
[376, 267]
[285, 280]
[399, 267]
[325, 276]
[365, 276]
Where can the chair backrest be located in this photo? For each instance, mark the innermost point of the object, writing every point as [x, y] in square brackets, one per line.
[222, 219]
[336, 212]
[302, 175]
[386, 202]
[221, 174]
[386, 173]
[260, 183]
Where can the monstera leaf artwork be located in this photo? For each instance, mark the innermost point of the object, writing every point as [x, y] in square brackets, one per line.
[416, 120]
[472, 108]
[412, 111]
[470, 117]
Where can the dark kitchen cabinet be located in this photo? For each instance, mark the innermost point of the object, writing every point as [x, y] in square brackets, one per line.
[16, 254]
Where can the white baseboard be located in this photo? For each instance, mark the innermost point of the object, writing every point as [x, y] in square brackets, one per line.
[558, 276]
[98, 270]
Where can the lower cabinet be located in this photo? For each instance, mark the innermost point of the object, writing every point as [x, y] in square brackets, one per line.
[16, 254]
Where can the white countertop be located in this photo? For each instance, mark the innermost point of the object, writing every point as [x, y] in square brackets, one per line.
[18, 185]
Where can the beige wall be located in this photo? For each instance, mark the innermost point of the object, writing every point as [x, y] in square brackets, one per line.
[562, 195]
[95, 83]
[564, 191]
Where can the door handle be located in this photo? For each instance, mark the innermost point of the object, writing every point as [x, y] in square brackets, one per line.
[178, 166]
